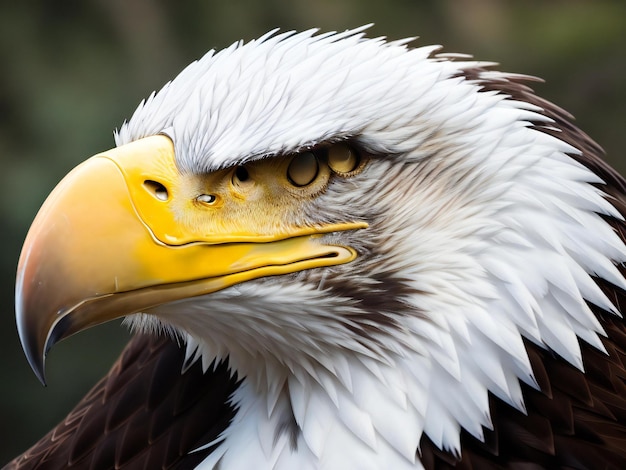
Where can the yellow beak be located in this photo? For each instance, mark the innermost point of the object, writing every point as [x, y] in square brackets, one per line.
[122, 233]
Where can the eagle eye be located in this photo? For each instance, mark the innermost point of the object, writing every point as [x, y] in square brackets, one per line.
[303, 169]
[241, 174]
[158, 190]
[343, 159]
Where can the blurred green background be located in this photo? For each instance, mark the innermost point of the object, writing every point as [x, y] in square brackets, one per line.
[73, 70]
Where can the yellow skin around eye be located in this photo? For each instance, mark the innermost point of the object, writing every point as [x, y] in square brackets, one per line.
[262, 204]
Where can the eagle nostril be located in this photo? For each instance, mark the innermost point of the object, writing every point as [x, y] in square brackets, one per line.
[157, 189]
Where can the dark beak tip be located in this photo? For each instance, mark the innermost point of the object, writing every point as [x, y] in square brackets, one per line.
[32, 346]
[35, 357]
[39, 368]
[37, 340]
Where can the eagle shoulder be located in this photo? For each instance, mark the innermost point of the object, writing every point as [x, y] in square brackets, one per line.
[144, 413]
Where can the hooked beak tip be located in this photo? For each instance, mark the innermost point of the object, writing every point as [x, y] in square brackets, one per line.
[35, 354]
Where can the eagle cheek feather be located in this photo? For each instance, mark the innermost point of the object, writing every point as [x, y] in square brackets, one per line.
[376, 256]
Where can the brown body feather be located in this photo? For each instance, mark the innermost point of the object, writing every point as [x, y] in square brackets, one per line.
[144, 414]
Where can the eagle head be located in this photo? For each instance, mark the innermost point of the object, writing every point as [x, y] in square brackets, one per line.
[371, 236]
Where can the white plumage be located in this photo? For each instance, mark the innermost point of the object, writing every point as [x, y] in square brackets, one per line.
[490, 224]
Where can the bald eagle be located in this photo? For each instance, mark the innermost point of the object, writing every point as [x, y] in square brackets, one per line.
[338, 253]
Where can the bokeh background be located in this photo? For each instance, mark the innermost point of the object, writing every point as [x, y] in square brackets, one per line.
[72, 70]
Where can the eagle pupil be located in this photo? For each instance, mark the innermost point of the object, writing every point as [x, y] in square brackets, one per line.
[242, 174]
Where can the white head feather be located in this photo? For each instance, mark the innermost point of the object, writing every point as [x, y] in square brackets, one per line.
[489, 225]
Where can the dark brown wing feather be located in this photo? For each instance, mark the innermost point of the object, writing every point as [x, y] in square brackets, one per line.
[144, 414]
[577, 420]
